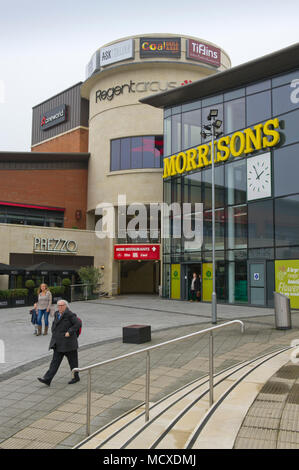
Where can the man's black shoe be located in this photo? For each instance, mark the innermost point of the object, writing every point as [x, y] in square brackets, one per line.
[44, 381]
[73, 381]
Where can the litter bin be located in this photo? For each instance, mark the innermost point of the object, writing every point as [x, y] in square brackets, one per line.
[282, 308]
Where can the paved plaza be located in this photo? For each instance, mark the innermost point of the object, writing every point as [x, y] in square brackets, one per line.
[35, 416]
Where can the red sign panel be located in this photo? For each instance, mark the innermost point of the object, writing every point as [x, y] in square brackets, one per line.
[203, 52]
[137, 252]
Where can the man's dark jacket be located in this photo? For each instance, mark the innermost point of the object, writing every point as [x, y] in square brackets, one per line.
[70, 323]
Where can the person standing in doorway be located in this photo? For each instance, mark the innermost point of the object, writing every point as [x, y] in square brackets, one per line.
[43, 306]
[195, 288]
[64, 342]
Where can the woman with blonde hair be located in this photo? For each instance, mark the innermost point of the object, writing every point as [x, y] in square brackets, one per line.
[43, 306]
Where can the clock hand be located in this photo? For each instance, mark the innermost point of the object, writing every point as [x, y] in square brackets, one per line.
[255, 170]
[258, 176]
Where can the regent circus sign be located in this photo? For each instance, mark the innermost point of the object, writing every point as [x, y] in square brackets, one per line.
[132, 87]
[240, 143]
[137, 252]
[53, 117]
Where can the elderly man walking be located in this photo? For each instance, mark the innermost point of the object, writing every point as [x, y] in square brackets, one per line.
[64, 341]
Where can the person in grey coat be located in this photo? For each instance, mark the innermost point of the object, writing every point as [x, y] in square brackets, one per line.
[64, 342]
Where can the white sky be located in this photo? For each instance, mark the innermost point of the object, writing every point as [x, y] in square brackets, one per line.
[45, 45]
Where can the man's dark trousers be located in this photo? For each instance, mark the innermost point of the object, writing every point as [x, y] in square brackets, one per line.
[72, 357]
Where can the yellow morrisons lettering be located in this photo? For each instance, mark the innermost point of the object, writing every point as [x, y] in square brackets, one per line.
[240, 143]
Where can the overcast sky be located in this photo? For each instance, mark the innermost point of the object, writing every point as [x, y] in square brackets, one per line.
[45, 46]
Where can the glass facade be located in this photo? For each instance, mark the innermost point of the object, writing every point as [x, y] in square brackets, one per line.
[250, 233]
[31, 216]
[131, 153]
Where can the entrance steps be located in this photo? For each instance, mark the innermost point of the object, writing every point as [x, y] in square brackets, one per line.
[184, 419]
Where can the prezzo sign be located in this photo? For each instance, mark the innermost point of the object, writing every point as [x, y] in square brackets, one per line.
[53, 117]
[54, 245]
[132, 87]
[240, 143]
[116, 52]
[160, 47]
[137, 252]
[203, 52]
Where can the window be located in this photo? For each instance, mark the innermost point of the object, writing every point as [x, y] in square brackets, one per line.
[287, 221]
[259, 86]
[282, 102]
[237, 227]
[31, 216]
[258, 107]
[286, 78]
[191, 123]
[136, 152]
[236, 182]
[286, 170]
[176, 128]
[234, 115]
[219, 187]
[260, 224]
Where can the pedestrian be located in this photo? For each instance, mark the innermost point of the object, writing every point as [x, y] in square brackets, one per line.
[64, 341]
[195, 288]
[43, 306]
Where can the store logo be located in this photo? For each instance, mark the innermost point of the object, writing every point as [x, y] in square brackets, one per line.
[203, 52]
[132, 87]
[54, 245]
[53, 117]
[186, 82]
[295, 93]
[160, 47]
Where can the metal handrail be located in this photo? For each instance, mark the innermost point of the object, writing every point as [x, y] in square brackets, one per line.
[147, 375]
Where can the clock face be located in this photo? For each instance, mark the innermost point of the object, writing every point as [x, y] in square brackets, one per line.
[259, 177]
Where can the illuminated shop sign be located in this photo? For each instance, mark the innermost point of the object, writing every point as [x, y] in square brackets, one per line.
[160, 47]
[133, 87]
[137, 252]
[203, 52]
[54, 245]
[117, 52]
[53, 117]
[93, 65]
[262, 136]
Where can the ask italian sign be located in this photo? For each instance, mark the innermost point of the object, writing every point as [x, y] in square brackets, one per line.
[137, 252]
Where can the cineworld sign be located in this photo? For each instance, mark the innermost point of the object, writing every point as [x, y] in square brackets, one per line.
[53, 117]
[54, 245]
[132, 87]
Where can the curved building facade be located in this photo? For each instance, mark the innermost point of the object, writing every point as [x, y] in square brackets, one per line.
[126, 136]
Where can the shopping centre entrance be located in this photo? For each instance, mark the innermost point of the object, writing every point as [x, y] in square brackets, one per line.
[188, 270]
[139, 277]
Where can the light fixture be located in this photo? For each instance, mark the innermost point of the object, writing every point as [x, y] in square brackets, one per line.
[218, 123]
[212, 114]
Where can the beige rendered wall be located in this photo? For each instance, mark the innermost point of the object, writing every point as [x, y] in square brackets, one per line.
[19, 239]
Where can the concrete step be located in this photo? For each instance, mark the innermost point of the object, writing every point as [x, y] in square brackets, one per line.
[175, 420]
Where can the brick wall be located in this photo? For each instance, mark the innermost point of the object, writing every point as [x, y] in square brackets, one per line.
[57, 188]
[75, 141]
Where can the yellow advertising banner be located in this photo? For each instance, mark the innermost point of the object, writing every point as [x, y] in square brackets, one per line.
[175, 281]
[207, 282]
[287, 280]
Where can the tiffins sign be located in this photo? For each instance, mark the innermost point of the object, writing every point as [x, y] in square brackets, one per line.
[238, 144]
[137, 252]
[160, 47]
[53, 117]
[203, 53]
[117, 52]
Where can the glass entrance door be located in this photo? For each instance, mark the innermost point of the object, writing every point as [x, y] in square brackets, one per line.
[257, 283]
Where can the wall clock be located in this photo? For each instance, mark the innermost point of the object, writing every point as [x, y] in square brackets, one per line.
[259, 183]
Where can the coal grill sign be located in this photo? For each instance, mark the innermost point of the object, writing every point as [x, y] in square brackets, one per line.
[54, 245]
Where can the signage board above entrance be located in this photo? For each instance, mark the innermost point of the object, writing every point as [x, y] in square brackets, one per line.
[54, 245]
[137, 252]
[53, 117]
[241, 143]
